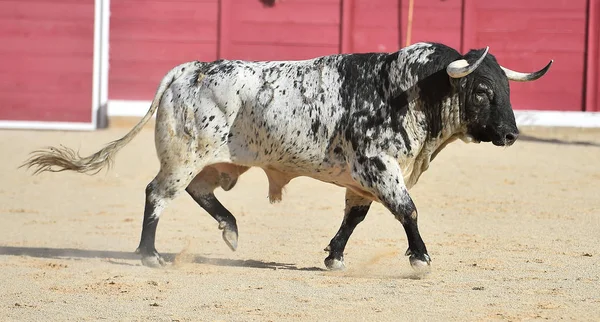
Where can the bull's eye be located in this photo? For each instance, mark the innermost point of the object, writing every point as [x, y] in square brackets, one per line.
[481, 97]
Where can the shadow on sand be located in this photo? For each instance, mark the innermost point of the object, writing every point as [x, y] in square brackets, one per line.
[169, 257]
[530, 138]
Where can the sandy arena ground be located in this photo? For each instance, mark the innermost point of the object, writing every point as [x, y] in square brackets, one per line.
[514, 234]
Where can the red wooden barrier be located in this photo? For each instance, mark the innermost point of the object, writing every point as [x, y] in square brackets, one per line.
[434, 20]
[149, 37]
[47, 60]
[525, 35]
[370, 26]
[380, 25]
[290, 29]
[346, 43]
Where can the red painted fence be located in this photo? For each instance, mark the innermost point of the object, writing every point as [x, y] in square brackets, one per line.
[525, 35]
[46, 60]
[149, 37]
[294, 29]
[47, 51]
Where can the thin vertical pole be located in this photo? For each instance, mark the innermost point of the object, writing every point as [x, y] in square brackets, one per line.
[409, 21]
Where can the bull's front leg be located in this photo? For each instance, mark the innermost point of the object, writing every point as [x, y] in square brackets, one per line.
[382, 176]
[355, 212]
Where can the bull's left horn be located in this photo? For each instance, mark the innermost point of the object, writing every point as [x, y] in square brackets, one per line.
[461, 68]
[526, 77]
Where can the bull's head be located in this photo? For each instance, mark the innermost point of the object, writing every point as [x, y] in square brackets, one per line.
[487, 110]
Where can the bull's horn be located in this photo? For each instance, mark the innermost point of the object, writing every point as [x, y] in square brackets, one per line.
[526, 77]
[461, 68]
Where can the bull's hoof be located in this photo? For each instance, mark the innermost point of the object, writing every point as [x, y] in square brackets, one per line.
[335, 264]
[231, 239]
[420, 263]
[230, 235]
[152, 260]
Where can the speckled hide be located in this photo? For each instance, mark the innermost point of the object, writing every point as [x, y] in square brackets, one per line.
[368, 122]
[371, 123]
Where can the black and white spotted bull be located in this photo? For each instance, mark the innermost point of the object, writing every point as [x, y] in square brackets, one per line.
[370, 123]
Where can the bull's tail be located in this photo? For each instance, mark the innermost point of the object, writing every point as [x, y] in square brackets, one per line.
[57, 159]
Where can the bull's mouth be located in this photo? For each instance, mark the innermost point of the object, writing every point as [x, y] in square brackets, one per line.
[499, 143]
[503, 142]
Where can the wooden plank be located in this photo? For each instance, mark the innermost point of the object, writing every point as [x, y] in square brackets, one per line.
[225, 28]
[50, 107]
[376, 17]
[447, 5]
[430, 20]
[139, 89]
[288, 12]
[347, 25]
[286, 33]
[154, 70]
[173, 11]
[45, 83]
[437, 21]
[146, 44]
[468, 34]
[552, 101]
[280, 52]
[21, 28]
[46, 10]
[156, 51]
[48, 47]
[288, 30]
[163, 31]
[535, 5]
[532, 41]
[553, 21]
[42, 63]
[375, 40]
[36, 2]
[375, 26]
[524, 37]
[143, 2]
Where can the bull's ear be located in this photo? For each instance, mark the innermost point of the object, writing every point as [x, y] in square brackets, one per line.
[526, 77]
[461, 68]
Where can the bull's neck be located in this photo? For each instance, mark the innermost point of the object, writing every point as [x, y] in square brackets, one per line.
[434, 120]
[432, 111]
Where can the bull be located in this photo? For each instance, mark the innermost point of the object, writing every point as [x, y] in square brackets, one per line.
[370, 123]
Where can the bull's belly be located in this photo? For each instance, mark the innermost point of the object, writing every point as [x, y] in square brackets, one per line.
[282, 168]
[280, 174]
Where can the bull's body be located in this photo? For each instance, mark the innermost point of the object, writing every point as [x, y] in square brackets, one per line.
[368, 122]
[304, 118]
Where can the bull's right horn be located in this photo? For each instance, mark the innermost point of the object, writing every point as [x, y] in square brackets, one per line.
[526, 77]
[461, 68]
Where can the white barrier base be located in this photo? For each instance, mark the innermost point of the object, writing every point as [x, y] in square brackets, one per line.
[523, 117]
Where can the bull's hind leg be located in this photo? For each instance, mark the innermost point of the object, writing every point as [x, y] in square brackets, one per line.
[355, 212]
[201, 190]
[169, 182]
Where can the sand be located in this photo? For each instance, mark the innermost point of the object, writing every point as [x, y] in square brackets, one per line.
[514, 234]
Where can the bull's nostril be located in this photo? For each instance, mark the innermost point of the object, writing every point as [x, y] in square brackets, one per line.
[511, 137]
